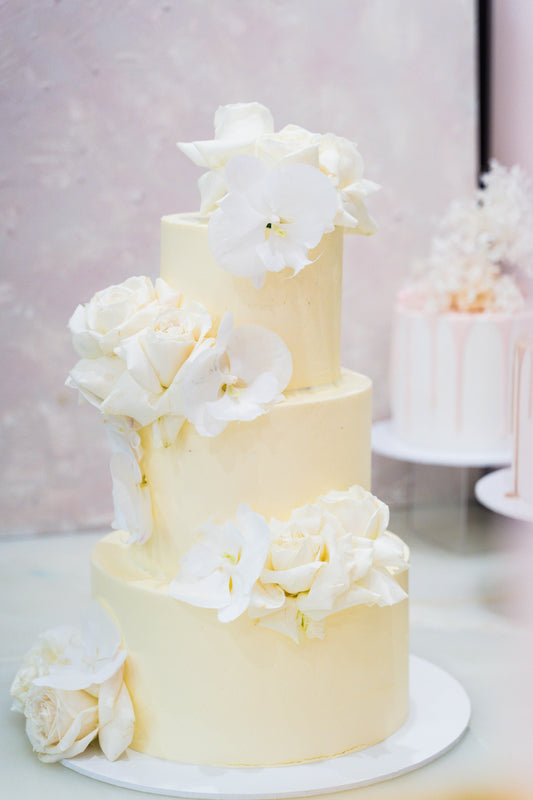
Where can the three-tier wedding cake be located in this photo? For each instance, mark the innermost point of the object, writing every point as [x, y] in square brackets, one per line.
[255, 603]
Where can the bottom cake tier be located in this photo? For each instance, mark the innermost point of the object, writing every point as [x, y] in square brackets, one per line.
[237, 694]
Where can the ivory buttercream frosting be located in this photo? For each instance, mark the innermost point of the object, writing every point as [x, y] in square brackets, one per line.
[260, 598]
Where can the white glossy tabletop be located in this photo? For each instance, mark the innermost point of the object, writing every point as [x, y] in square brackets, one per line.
[461, 619]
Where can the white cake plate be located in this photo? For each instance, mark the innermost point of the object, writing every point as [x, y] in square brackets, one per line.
[439, 715]
[492, 491]
[385, 442]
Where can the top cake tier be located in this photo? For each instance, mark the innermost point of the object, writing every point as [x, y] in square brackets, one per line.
[304, 309]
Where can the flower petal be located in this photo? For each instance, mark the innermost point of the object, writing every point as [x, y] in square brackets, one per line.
[210, 592]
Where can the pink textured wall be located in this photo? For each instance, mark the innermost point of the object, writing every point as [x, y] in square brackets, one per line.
[512, 105]
[93, 96]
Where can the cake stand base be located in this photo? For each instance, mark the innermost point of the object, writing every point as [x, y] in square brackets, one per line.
[385, 442]
[439, 715]
[493, 492]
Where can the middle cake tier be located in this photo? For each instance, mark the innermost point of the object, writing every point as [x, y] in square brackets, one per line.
[314, 441]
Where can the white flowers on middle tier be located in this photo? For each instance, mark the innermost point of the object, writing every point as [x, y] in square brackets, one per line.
[172, 365]
[330, 555]
[148, 360]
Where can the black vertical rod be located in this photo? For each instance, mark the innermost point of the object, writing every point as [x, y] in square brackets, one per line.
[484, 82]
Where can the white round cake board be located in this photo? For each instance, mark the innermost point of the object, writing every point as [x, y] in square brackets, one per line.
[439, 715]
[492, 491]
[385, 442]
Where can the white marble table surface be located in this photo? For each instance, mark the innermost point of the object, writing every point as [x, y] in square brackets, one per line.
[461, 619]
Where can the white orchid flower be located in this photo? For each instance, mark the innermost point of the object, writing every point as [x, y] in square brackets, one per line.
[238, 377]
[270, 219]
[90, 655]
[132, 499]
[220, 571]
[249, 128]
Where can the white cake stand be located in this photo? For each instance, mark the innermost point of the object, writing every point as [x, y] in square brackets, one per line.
[385, 442]
[493, 491]
[449, 523]
[439, 715]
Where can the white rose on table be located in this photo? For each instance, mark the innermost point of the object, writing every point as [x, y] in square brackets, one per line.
[70, 689]
[60, 724]
[116, 313]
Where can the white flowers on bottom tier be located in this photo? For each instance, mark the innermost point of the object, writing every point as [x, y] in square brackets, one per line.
[70, 688]
[330, 555]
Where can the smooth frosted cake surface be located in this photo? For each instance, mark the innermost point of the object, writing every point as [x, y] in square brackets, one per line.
[306, 312]
[242, 695]
[315, 441]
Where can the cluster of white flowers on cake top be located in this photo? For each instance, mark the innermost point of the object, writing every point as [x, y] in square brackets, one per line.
[290, 576]
[149, 360]
[70, 688]
[273, 195]
[483, 244]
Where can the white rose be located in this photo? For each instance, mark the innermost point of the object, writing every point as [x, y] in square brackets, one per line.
[70, 688]
[297, 550]
[341, 161]
[117, 312]
[150, 385]
[360, 512]
[291, 145]
[329, 556]
[249, 128]
[237, 126]
[49, 650]
[60, 724]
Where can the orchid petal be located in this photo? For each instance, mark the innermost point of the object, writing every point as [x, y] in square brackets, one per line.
[210, 592]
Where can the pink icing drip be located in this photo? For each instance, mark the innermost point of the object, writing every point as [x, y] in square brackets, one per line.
[521, 350]
[461, 329]
[505, 328]
[517, 391]
[433, 330]
[408, 348]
